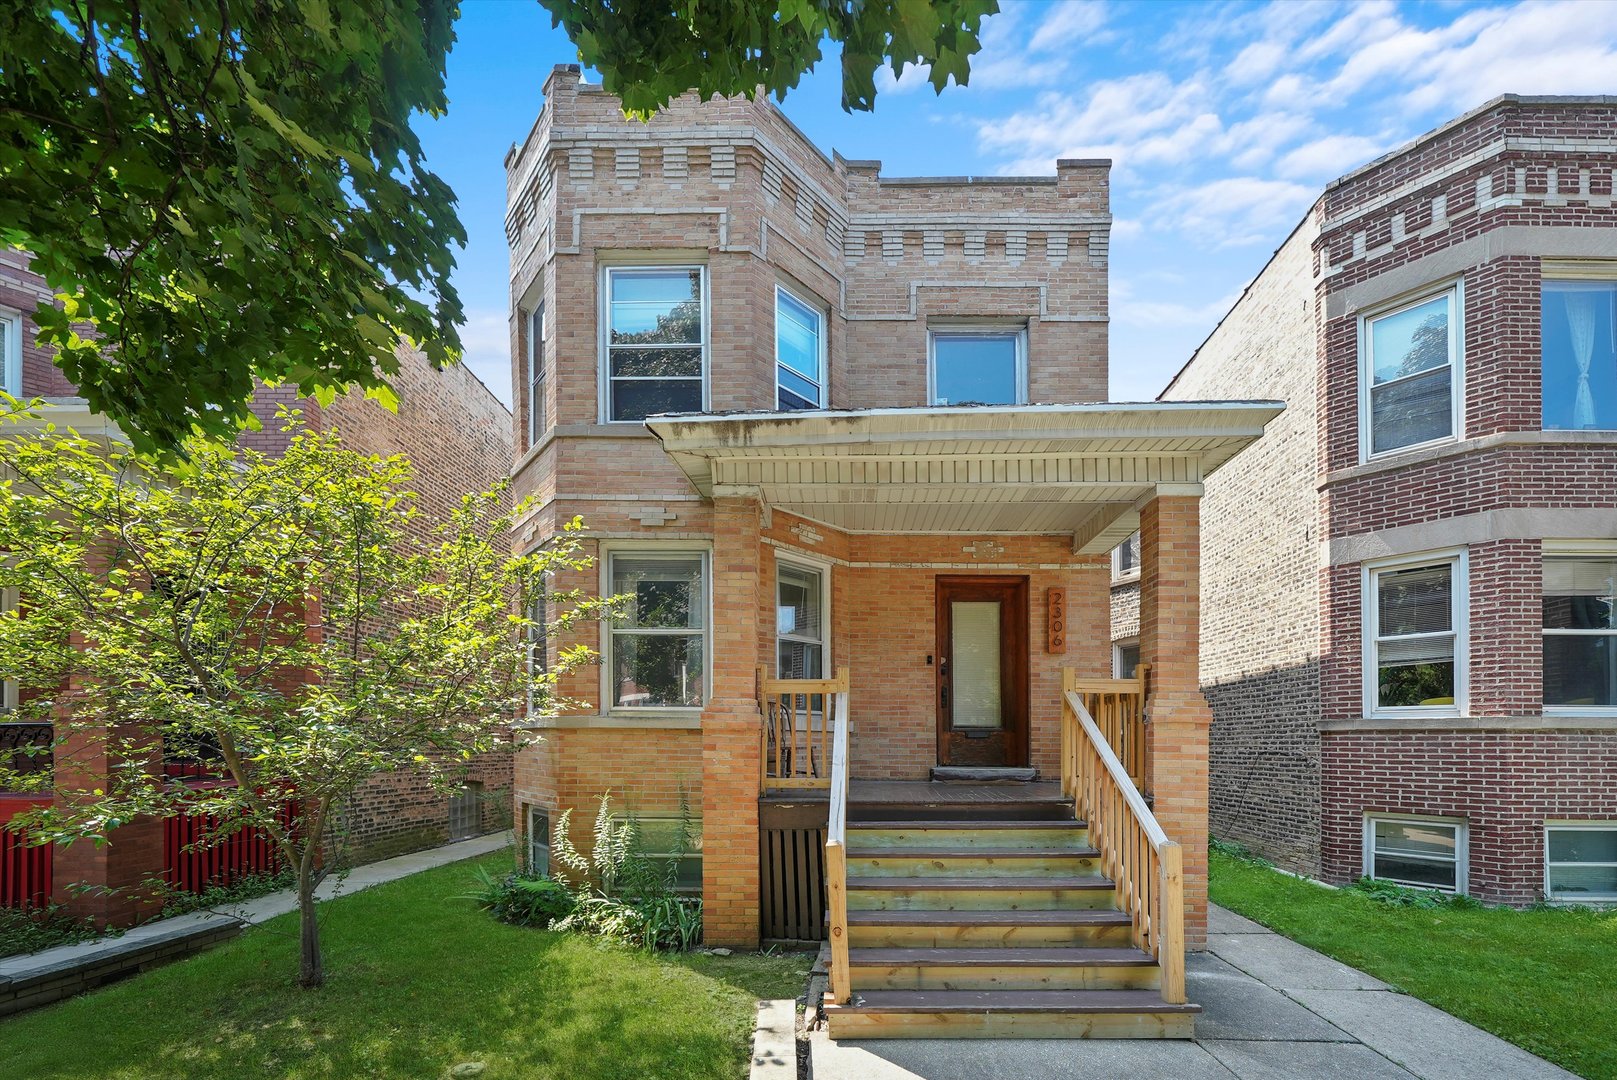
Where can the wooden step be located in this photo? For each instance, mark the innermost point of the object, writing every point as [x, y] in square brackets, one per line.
[1004, 969]
[976, 893]
[952, 835]
[970, 1014]
[967, 929]
[967, 861]
[939, 806]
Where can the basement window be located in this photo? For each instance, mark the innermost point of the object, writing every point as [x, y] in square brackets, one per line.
[1423, 853]
[466, 811]
[1581, 862]
[538, 824]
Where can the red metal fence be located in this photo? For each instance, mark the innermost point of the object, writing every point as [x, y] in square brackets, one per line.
[192, 864]
[25, 869]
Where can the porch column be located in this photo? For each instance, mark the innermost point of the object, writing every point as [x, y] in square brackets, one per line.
[730, 783]
[1177, 716]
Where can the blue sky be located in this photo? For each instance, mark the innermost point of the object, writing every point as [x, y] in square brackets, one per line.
[1223, 121]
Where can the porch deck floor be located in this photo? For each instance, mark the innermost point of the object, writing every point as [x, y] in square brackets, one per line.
[924, 792]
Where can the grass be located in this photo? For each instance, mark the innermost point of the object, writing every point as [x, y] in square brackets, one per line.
[1544, 978]
[418, 982]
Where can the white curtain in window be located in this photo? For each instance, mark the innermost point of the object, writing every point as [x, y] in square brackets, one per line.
[1580, 320]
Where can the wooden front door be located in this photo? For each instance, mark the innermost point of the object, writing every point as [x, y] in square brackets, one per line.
[982, 671]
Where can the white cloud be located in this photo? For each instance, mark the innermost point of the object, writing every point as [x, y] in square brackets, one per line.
[1152, 310]
[1236, 210]
[1327, 158]
[1068, 24]
[486, 339]
[914, 77]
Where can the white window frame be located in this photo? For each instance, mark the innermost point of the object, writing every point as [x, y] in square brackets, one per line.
[1117, 657]
[1575, 826]
[538, 654]
[604, 323]
[533, 863]
[824, 313]
[975, 330]
[536, 374]
[1602, 271]
[655, 549]
[10, 699]
[803, 562]
[1455, 292]
[1566, 549]
[1119, 571]
[11, 353]
[1462, 849]
[1460, 616]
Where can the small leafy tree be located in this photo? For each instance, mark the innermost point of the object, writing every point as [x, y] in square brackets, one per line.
[297, 618]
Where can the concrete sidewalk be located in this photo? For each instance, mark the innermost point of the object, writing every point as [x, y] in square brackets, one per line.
[1272, 1010]
[40, 978]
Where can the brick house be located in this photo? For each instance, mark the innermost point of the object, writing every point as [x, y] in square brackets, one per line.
[1408, 641]
[457, 434]
[793, 401]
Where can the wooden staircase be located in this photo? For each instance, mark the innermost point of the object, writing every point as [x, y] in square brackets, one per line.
[962, 926]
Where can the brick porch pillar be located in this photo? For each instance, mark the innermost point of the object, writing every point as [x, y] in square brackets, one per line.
[1178, 717]
[730, 786]
[104, 882]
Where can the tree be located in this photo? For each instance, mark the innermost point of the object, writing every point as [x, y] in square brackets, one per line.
[648, 55]
[219, 190]
[297, 614]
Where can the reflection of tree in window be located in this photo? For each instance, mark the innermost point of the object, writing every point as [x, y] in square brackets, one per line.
[1416, 410]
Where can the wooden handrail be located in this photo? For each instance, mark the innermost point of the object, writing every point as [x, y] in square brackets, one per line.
[1146, 867]
[836, 854]
[794, 739]
[1118, 708]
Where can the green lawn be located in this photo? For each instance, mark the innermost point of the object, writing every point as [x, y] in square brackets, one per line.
[418, 981]
[1545, 980]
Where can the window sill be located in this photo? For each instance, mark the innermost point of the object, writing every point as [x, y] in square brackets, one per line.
[1425, 453]
[649, 720]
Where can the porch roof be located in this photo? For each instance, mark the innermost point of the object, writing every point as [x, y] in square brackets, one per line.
[1081, 469]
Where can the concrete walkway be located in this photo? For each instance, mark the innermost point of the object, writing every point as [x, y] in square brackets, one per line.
[39, 978]
[1272, 1010]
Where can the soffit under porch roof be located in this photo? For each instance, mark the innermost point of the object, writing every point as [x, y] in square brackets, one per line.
[1080, 469]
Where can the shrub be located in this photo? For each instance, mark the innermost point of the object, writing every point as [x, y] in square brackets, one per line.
[522, 899]
[31, 930]
[1393, 895]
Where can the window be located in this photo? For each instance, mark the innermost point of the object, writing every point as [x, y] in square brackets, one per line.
[1422, 852]
[538, 841]
[800, 622]
[536, 375]
[1126, 557]
[656, 351]
[659, 643]
[677, 843]
[1125, 659]
[11, 352]
[8, 687]
[466, 811]
[1580, 631]
[1579, 348]
[979, 367]
[538, 639]
[1411, 363]
[1581, 861]
[1414, 645]
[799, 353]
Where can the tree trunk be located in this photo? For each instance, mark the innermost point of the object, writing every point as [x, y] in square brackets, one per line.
[311, 969]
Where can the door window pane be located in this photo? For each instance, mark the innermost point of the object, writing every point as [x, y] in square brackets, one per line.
[1579, 351]
[974, 628]
[976, 369]
[1410, 366]
[656, 351]
[799, 348]
[1415, 640]
[1580, 631]
[659, 640]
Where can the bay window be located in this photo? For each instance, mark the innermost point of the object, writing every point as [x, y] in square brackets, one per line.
[1414, 649]
[1578, 331]
[800, 374]
[656, 341]
[657, 646]
[1410, 374]
[1580, 631]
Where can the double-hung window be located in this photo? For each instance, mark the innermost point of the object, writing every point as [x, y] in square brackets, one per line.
[538, 641]
[11, 352]
[1579, 347]
[800, 367]
[536, 375]
[658, 644]
[1414, 644]
[800, 622]
[978, 366]
[656, 341]
[1411, 373]
[1425, 853]
[1580, 632]
[1581, 861]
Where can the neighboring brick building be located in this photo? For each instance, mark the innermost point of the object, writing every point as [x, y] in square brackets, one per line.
[1410, 630]
[455, 432]
[825, 495]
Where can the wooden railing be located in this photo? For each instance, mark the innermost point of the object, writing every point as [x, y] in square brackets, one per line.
[1135, 853]
[1118, 708]
[794, 739]
[836, 854]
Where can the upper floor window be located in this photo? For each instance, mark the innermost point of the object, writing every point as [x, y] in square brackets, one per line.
[985, 366]
[1580, 631]
[656, 341]
[1414, 645]
[536, 374]
[1579, 331]
[11, 352]
[799, 353]
[1410, 378]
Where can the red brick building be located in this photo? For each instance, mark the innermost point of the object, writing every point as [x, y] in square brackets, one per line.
[455, 432]
[1410, 636]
